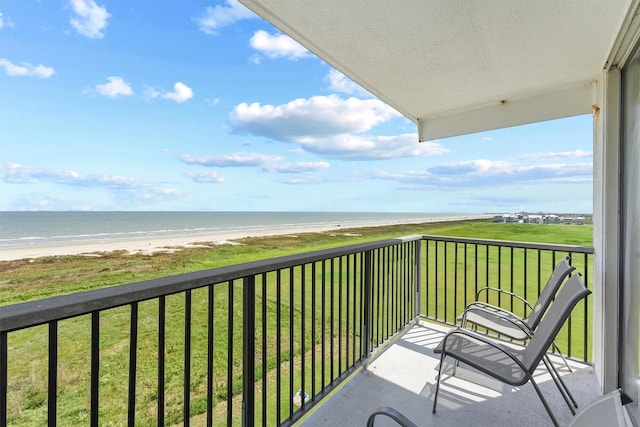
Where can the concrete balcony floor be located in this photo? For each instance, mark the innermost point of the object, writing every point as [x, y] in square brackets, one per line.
[404, 377]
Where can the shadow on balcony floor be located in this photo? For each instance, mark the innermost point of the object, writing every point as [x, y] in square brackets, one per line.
[404, 376]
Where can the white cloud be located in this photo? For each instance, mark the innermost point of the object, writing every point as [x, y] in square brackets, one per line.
[90, 20]
[26, 70]
[205, 177]
[151, 92]
[116, 87]
[299, 167]
[488, 173]
[126, 189]
[327, 125]
[16, 173]
[278, 46]
[217, 17]
[230, 160]
[562, 154]
[181, 93]
[338, 82]
[5, 22]
[318, 116]
[372, 147]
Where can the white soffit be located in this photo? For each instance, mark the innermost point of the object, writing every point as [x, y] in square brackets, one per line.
[461, 66]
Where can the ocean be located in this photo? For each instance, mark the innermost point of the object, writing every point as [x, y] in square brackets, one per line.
[44, 228]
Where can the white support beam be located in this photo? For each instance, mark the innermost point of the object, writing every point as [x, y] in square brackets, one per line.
[606, 229]
[506, 113]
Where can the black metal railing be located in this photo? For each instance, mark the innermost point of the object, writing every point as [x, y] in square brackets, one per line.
[456, 268]
[259, 343]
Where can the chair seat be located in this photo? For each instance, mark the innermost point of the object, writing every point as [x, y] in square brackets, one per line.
[490, 359]
[497, 320]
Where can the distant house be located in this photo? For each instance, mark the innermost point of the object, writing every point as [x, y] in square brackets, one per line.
[533, 219]
[552, 219]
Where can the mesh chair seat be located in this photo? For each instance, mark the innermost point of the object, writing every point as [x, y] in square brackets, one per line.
[497, 320]
[488, 357]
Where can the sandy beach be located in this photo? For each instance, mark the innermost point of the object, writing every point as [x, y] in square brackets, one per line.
[175, 242]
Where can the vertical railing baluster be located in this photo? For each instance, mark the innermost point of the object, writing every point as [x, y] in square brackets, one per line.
[95, 366]
[340, 276]
[210, 350]
[379, 284]
[331, 318]
[162, 324]
[511, 279]
[435, 274]
[323, 322]
[248, 350]
[230, 333]
[539, 271]
[396, 288]
[313, 330]
[366, 333]
[525, 280]
[417, 277]
[347, 309]
[446, 279]
[133, 350]
[455, 281]
[265, 365]
[475, 270]
[499, 248]
[291, 338]
[465, 275]
[53, 375]
[278, 347]
[357, 272]
[303, 333]
[4, 371]
[386, 288]
[427, 277]
[187, 359]
[486, 271]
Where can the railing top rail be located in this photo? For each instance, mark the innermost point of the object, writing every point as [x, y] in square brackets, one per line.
[32, 313]
[513, 244]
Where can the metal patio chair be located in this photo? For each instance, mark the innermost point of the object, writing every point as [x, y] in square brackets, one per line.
[507, 364]
[508, 324]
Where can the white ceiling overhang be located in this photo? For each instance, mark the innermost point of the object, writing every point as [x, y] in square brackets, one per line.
[461, 66]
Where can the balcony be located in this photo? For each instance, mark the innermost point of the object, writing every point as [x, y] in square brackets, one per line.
[403, 376]
[264, 343]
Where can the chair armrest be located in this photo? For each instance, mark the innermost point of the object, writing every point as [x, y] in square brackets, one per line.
[502, 291]
[495, 312]
[391, 413]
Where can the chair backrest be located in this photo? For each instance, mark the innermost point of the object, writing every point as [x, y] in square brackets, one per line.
[572, 292]
[561, 270]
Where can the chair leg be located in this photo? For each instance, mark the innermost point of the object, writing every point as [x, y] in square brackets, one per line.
[435, 397]
[566, 395]
[562, 386]
[557, 349]
[544, 401]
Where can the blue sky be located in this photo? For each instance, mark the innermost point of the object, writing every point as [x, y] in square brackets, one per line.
[196, 105]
